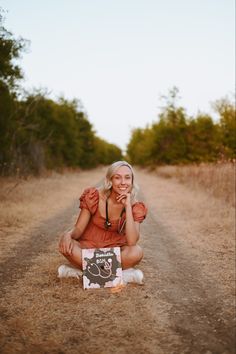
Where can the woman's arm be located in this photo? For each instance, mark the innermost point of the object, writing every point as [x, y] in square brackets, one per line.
[132, 227]
[67, 239]
[81, 224]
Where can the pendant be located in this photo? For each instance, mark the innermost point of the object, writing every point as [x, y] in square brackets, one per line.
[107, 224]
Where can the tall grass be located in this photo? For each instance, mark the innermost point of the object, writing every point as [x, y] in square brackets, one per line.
[216, 179]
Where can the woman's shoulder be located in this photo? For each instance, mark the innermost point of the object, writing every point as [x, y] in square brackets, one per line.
[89, 199]
[90, 191]
[139, 211]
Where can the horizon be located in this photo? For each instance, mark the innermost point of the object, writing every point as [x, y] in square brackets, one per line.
[118, 59]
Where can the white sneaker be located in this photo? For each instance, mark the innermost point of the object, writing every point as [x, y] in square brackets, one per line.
[132, 275]
[66, 271]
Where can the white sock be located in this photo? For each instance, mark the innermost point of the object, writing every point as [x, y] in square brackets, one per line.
[66, 271]
[132, 275]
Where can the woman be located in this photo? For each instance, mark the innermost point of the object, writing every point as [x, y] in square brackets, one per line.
[110, 216]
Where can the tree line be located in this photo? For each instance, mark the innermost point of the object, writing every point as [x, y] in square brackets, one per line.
[38, 133]
[176, 138]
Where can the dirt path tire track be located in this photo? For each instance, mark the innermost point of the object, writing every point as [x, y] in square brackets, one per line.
[23, 255]
[197, 308]
[179, 310]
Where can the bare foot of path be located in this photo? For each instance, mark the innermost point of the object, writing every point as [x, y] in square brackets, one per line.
[185, 306]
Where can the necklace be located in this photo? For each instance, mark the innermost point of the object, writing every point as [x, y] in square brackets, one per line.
[107, 223]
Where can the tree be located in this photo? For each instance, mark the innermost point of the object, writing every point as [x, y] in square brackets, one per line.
[10, 74]
[226, 110]
[203, 139]
[170, 132]
[10, 50]
[176, 138]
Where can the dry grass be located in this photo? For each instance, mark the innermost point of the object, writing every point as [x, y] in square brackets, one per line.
[51, 315]
[43, 314]
[24, 203]
[200, 222]
[217, 179]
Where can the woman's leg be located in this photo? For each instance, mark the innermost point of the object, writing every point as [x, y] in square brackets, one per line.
[130, 256]
[76, 257]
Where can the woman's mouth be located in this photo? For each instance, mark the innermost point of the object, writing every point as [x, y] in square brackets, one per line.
[121, 189]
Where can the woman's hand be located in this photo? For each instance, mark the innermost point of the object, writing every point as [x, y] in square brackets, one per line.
[124, 198]
[66, 244]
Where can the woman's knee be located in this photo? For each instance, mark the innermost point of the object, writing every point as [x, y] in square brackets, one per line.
[135, 253]
[139, 252]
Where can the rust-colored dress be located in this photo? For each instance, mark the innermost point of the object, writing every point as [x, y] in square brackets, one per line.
[95, 234]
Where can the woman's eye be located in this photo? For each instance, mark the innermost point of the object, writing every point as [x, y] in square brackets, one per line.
[118, 178]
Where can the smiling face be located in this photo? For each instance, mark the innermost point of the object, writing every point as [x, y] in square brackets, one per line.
[122, 180]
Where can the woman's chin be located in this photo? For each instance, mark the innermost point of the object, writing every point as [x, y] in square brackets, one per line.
[117, 192]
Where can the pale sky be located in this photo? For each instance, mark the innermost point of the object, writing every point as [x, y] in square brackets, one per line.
[119, 56]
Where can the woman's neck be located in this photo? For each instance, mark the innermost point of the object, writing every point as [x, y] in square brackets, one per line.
[113, 196]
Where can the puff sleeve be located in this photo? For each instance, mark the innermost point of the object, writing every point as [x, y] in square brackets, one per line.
[139, 211]
[89, 200]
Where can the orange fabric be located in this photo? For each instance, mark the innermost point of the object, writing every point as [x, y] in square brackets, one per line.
[95, 234]
[89, 200]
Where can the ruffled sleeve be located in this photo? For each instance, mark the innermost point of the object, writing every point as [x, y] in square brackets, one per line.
[139, 211]
[89, 200]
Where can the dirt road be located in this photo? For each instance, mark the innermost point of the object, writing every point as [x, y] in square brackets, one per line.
[185, 306]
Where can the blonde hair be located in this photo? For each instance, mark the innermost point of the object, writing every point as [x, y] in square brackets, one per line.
[106, 184]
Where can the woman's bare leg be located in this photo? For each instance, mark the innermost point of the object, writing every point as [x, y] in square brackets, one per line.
[130, 256]
[76, 257]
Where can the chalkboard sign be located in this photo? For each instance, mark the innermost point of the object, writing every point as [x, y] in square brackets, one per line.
[101, 267]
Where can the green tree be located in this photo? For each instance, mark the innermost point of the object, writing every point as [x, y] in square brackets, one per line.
[105, 152]
[57, 134]
[10, 74]
[176, 138]
[10, 50]
[56, 131]
[203, 139]
[170, 132]
[227, 113]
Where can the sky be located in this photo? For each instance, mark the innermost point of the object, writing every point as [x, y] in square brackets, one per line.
[118, 57]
